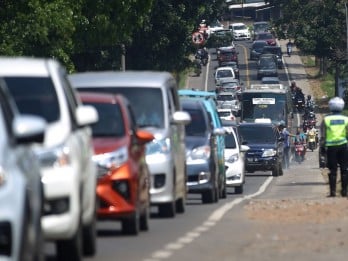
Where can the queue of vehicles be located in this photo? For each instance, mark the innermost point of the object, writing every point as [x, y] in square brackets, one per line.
[94, 146]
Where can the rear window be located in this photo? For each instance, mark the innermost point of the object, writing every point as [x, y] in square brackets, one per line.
[35, 95]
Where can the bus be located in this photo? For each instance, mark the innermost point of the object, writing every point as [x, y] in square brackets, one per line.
[271, 102]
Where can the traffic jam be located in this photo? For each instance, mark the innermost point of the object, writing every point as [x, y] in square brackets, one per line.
[123, 153]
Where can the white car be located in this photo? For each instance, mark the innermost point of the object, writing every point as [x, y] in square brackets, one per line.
[234, 161]
[226, 114]
[21, 191]
[223, 72]
[40, 87]
[240, 31]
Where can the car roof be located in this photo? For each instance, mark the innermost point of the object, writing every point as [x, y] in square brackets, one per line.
[237, 24]
[260, 42]
[120, 79]
[255, 124]
[26, 66]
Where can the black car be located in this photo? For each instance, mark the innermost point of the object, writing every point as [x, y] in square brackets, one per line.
[266, 147]
[256, 49]
[201, 151]
[267, 66]
[276, 50]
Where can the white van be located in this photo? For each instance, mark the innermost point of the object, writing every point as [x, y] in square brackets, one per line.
[155, 102]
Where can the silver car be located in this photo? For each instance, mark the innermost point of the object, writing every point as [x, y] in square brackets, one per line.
[154, 99]
[21, 190]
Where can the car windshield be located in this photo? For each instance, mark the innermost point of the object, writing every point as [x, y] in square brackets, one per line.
[239, 27]
[260, 27]
[35, 95]
[229, 85]
[257, 134]
[197, 126]
[268, 63]
[110, 123]
[265, 36]
[147, 112]
[230, 142]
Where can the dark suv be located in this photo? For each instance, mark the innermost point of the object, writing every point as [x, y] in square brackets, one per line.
[276, 50]
[266, 147]
[201, 151]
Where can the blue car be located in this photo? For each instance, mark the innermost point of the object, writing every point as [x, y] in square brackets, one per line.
[209, 101]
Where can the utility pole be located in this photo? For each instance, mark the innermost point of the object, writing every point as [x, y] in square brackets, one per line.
[123, 57]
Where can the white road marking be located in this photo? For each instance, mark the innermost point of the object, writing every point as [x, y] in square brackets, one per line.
[216, 216]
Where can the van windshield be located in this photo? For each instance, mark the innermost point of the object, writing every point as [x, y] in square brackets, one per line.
[147, 103]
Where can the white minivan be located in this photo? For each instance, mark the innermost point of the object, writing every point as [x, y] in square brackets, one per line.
[39, 87]
[155, 102]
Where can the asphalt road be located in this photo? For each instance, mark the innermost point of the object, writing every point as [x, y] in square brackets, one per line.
[209, 231]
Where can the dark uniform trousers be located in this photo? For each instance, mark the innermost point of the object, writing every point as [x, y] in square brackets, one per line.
[337, 156]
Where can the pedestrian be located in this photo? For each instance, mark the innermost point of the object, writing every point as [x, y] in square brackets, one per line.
[286, 135]
[333, 143]
[289, 47]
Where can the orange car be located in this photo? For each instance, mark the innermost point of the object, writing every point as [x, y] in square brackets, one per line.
[123, 176]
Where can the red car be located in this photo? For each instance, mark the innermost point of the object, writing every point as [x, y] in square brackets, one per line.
[227, 54]
[268, 37]
[119, 152]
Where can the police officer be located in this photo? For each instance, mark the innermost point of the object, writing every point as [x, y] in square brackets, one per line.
[334, 142]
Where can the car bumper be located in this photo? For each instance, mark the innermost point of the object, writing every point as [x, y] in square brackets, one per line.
[161, 178]
[117, 192]
[260, 164]
[234, 174]
[199, 177]
[62, 202]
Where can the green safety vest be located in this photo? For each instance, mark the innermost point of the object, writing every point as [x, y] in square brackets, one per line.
[335, 130]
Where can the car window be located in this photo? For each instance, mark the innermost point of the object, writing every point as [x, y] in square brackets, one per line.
[35, 95]
[230, 142]
[198, 125]
[224, 73]
[147, 103]
[257, 134]
[110, 123]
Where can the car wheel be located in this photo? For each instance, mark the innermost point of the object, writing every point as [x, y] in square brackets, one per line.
[71, 249]
[239, 189]
[90, 237]
[275, 171]
[167, 210]
[208, 196]
[130, 226]
[144, 219]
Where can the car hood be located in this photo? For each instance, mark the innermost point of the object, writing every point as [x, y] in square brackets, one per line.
[108, 144]
[229, 152]
[194, 142]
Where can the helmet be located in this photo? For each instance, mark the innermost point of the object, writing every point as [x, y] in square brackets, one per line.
[336, 104]
[282, 123]
[309, 97]
[293, 83]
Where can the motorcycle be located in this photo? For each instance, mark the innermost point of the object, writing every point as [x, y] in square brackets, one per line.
[299, 104]
[300, 151]
[312, 140]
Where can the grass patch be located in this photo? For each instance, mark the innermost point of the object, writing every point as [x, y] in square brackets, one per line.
[308, 61]
[328, 85]
[182, 78]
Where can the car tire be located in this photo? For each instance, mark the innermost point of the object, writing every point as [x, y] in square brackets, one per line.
[167, 210]
[90, 237]
[208, 197]
[238, 189]
[275, 171]
[144, 219]
[71, 249]
[131, 226]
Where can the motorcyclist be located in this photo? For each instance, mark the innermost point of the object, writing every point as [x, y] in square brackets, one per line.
[333, 144]
[289, 47]
[299, 98]
[312, 138]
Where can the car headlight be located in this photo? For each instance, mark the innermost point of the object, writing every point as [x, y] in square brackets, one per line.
[112, 159]
[57, 157]
[233, 158]
[202, 152]
[269, 153]
[158, 147]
